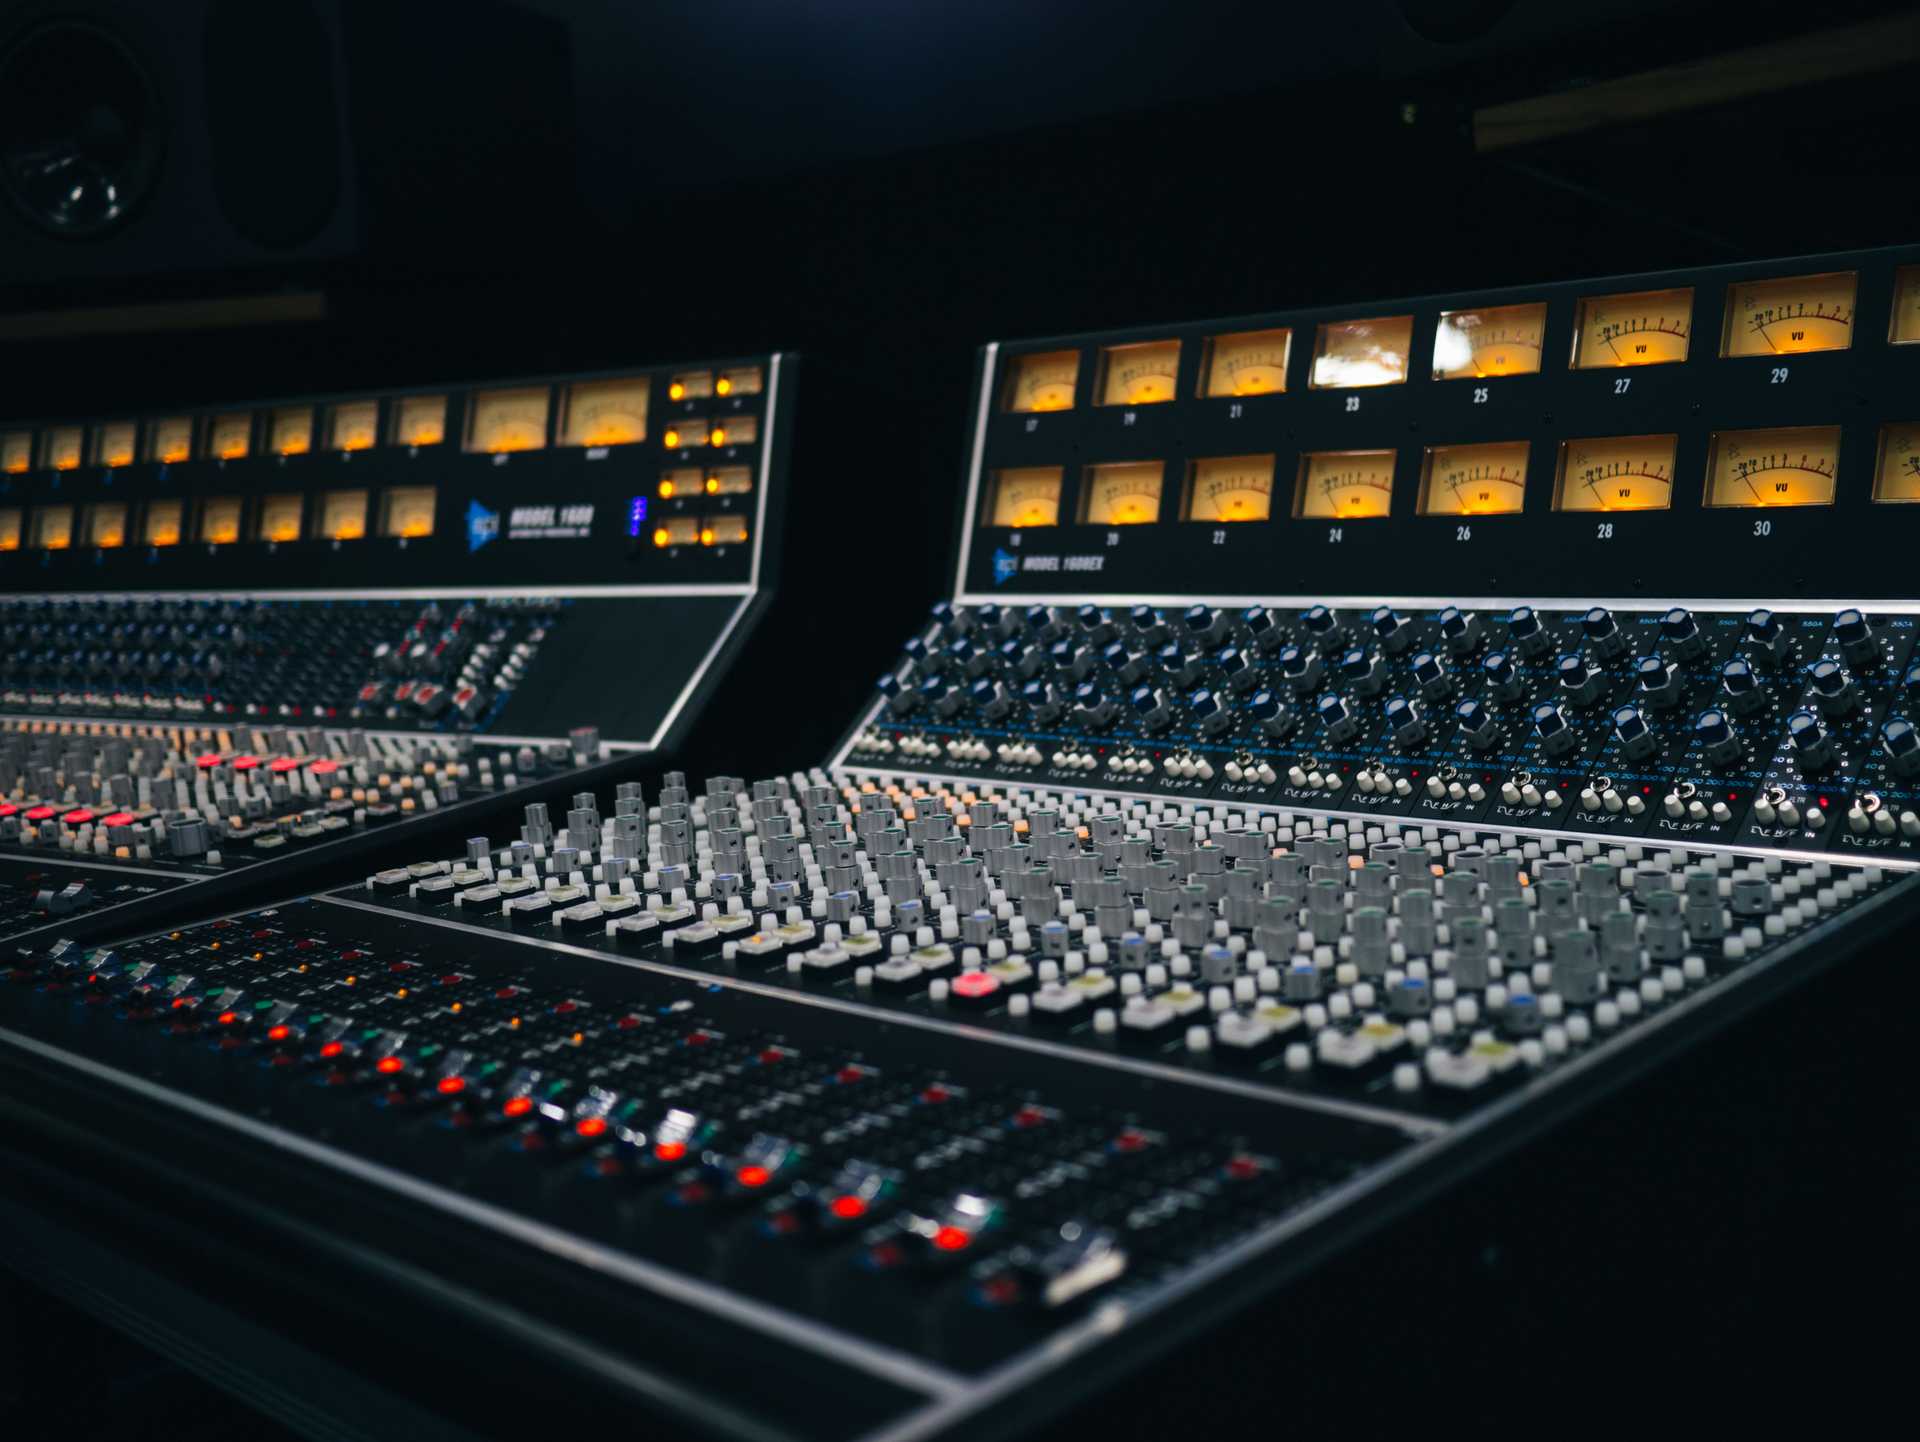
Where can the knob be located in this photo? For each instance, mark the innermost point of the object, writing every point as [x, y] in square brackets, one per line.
[1044, 700]
[1094, 622]
[1148, 626]
[1680, 634]
[1210, 711]
[1128, 668]
[1182, 667]
[187, 837]
[1630, 729]
[1550, 725]
[1460, 629]
[1766, 637]
[1092, 707]
[1150, 706]
[1503, 680]
[1409, 727]
[1529, 636]
[1833, 688]
[1258, 623]
[1364, 671]
[1856, 638]
[1319, 622]
[1045, 623]
[1431, 675]
[1900, 744]
[1658, 681]
[991, 698]
[1301, 666]
[1740, 687]
[1234, 668]
[1338, 718]
[1391, 628]
[1203, 623]
[1812, 747]
[1271, 713]
[1603, 633]
[1076, 660]
[1579, 682]
[1713, 733]
[1475, 724]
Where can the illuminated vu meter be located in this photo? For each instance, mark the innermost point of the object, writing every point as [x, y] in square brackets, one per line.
[1140, 375]
[1790, 317]
[1789, 466]
[1344, 485]
[1350, 354]
[1897, 476]
[1644, 328]
[1231, 488]
[1499, 341]
[1044, 382]
[1616, 473]
[1476, 480]
[1026, 496]
[1125, 493]
[1253, 363]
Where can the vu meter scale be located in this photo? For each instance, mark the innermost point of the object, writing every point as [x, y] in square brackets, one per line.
[1623, 473]
[1352, 485]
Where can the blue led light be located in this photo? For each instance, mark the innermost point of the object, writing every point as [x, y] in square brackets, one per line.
[636, 515]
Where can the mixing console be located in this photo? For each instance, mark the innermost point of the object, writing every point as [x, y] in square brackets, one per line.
[1137, 944]
[207, 675]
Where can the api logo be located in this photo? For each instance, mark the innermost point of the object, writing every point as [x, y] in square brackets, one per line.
[1006, 566]
[482, 526]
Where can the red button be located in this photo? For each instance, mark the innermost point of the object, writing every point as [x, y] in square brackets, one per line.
[79, 816]
[974, 985]
[951, 1239]
[847, 1208]
[117, 818]
[7, 808]
[245, 763]
[325, 768]
[38, 813]
[285, 764]
[670, 1151]
[207, 762]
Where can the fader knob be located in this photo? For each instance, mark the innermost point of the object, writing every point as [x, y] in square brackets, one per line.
[1459, 629]
[1833, 688]
[1404, 720]
[1550, 725]
[1431, 675]
[1503, 679]
[1271, 714]
[1812, 747]
[1363, 670]
[1856, 638]
[187, 837]
[1635, 737]
[1740, 687]
[1476, 725]
[1579, 683]
[1658, 681]
[1680, 634]
[1766, 637]
[1394, 634]
[1713, 733]
[1337, 717]
[1603, 633]
[1900, 744]
[1528, 635]
[1301, 666]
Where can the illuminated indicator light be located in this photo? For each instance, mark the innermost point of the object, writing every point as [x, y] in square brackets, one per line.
[951, 1239]
[713, 485]
[677, 391]
[706, 536]
[451, 1085]
[752, 1176]
[228, 1018]
[670, 1151]
[591, 1126]
[636, 516]
[723, 386]
[332, 1049]
[38, 813]
[279, 1033]
[975, 984]
[671, 437]
[517, 1106]
[662, 537]
[113, 818]
[667, 488]
[847, 1209]
[77, 817]
[717, 436]
[388, 1065]
[771, 1055]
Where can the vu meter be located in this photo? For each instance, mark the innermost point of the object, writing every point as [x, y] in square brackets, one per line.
[1350, 354]
[170, 440]
[279, 518]
[1500, 341]
[407, 512]
[1478, 480]
[1344, 485]
[162, 526]
[420, 420]
[220, 520]
[502, 421]
[1231, 488]
[105, 525]
[1124, 493]
[1790, 317]
[353, 426]
[1904, 329]
[113, 444]
[60, 449]
[53, 528]
[16, 453]
[1616, 473]
[1026, 496]
[1897, 475]
[1044, 382]
[343, 515]
[230, 437]
[605, 413]
[1253, 363]
[1140, 375]
[1647, 328]
[1791, 466]
[10, 529]
[290, 431]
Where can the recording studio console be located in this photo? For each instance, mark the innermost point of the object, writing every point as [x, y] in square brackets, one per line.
[1160, 925]
[242, 641]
